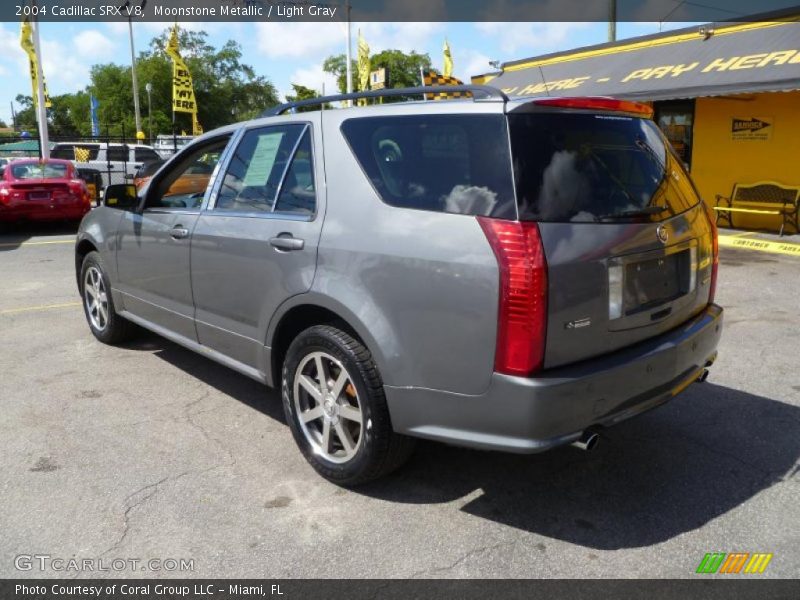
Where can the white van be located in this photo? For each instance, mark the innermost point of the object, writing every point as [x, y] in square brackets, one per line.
[116, 162]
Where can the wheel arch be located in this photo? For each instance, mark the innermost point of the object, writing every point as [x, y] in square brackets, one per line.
[82, 249]
[305, 311]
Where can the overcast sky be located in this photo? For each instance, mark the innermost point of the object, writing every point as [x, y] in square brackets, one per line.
[292, 52]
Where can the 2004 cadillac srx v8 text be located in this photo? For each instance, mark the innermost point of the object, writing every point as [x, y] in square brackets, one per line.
[502, 274]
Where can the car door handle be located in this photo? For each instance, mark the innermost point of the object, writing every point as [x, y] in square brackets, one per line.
[287, 243]
[178, 232]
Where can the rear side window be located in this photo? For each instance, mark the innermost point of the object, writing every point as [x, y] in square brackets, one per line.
[118, 153]
[591, 167]
[78, 152]
[145, 155]
[444, 163]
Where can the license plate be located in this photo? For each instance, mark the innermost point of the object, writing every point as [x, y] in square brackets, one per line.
[38, 195]
[656, 281]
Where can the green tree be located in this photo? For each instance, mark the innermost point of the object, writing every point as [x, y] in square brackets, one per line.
[69, 115]
[26, 116]
[302, 92]
[226, 89]
[402, 69]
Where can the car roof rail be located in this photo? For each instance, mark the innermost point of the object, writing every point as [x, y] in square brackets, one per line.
[488, 93]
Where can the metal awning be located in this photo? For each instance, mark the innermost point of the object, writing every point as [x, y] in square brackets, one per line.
[697, 61]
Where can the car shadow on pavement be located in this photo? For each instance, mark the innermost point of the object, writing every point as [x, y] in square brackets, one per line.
[650, 479]
[13, 235]
[662, 474]
[223, 379]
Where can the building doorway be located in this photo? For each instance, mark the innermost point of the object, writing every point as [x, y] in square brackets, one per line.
[676, 120]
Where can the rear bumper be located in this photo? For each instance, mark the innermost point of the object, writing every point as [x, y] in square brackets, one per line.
[531, 415]
[43, 211]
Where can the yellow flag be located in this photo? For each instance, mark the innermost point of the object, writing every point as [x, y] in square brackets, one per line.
[363, 63]
[448, 60]
[81, 154]
[363, 67]
[26, 41]
[182, 89]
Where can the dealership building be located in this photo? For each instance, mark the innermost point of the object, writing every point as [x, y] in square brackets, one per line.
[727, 96]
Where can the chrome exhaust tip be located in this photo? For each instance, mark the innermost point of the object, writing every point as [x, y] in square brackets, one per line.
[703, 376]
[587, 441]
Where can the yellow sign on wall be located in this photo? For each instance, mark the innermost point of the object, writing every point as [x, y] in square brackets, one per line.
[751, 128]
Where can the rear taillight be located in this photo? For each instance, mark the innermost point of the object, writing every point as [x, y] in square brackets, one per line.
[522, 311]
[598, 103]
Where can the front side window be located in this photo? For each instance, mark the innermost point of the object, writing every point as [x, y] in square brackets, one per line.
[256, 169]
[185, 184]
[443, 163]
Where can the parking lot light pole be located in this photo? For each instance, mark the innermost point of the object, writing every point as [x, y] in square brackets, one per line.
[149, 89]
[137, 114]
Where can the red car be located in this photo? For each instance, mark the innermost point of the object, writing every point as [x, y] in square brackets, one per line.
[42, 190]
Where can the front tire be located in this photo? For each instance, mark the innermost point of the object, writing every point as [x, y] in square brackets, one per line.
[98, 305]
[335, 406]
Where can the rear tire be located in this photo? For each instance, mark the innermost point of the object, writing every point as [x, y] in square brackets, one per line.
[339, 417]
[98, 305]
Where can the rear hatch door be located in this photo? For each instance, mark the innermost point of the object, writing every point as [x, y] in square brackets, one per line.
[627, 240]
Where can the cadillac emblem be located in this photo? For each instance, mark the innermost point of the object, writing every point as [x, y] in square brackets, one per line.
[661, 234]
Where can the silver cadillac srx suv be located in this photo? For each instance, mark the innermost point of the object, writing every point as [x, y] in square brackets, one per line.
[502, 274]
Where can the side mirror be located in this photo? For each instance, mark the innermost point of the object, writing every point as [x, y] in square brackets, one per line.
[121, 196]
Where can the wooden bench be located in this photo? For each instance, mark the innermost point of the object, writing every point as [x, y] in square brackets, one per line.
[765, 198]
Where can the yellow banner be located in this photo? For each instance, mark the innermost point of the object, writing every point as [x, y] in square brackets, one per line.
[182, 89]
[448, 60]
[26, 41]
[363, 63]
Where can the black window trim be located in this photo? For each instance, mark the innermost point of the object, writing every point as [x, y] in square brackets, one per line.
[211, 207]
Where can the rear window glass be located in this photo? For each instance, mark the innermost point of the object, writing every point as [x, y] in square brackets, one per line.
[444, 163]
[590, 167]
[39, 171]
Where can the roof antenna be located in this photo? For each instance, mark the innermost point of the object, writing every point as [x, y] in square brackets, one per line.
[544, 81]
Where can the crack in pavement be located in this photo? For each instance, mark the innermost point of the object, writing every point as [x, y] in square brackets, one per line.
[153, 488]
[460, 559]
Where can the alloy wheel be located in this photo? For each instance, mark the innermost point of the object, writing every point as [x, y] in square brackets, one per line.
[95, 297]
[327, 406]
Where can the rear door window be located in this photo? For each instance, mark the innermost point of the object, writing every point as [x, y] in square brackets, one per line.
[298, 194]
[580, 167]
[444, 163]
[118, 153]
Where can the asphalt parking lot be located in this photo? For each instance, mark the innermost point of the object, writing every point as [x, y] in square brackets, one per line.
[152, 452]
